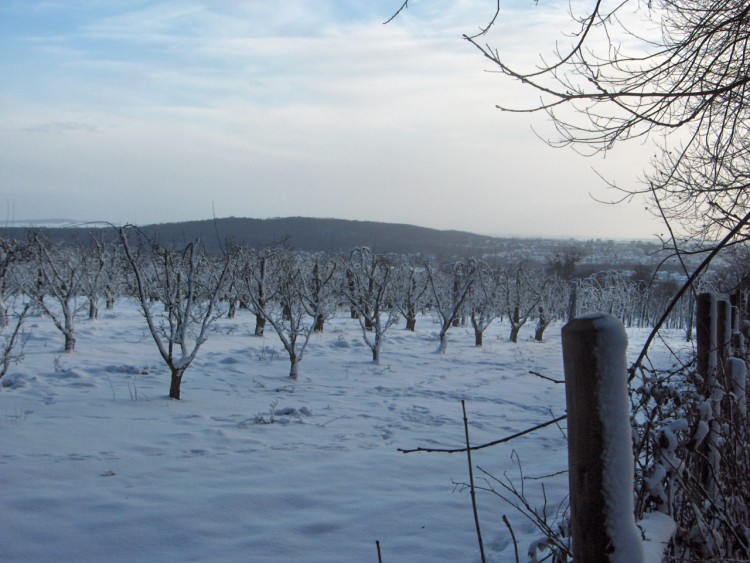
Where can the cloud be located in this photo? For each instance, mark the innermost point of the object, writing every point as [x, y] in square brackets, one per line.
[293, 108]
[61, 127]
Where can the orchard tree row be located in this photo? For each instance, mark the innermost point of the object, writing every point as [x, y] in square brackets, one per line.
[181, 291]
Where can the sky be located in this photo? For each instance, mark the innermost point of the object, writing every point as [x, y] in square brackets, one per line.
[160, 111]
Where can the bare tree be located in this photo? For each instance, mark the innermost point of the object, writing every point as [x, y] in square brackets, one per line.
[449, 289]
[60, 276]
[369, 289]
[564, 261]
[319, 284]
[688, 83]
[552, 306]
[259, 271]
[178, 292]
[288, 303]
[733, 275]
[410, 288]
[115, 275]
[522, 291]
[233, 291]
[14, 306]
[11, 253]
[12, 342]
[96, 260]
[484, 300]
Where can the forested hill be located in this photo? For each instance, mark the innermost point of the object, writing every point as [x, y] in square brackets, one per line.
[303, 233]
[300, 233]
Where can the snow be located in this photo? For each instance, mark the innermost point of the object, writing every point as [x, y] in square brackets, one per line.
[737, 373]
[658, 530]
[97, 464]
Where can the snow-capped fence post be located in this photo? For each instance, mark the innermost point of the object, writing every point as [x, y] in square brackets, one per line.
[600, 455]
[710, 332]
[706, 328]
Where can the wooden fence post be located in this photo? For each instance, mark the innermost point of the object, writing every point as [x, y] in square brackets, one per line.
[706, 327]
[600, 454]
[710, 331]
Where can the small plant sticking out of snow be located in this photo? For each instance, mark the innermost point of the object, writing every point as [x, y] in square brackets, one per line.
[267, 354]
[57, 363]
[281, 415]
[261, 419]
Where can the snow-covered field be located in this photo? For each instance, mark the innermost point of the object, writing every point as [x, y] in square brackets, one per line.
[97, 464]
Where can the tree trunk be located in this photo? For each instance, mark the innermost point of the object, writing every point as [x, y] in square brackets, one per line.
[294, 369]
[443, 342]
[573, 301]
[260, 324]
[232, 308]
[541, 326]
[515, 324]
[109, 299]
[319, 323]
[70, 342]
[514, 330]
[176, 382]
[93, 309]
[539, 332]
[478, 337]
[68, 328]
[411, 318]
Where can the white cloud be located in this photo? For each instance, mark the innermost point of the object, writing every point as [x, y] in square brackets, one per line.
[290, 109]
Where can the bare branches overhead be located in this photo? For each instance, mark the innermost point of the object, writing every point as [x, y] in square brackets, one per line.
[676, 70]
